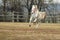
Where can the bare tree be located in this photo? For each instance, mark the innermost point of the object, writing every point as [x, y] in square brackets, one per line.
[4, 10]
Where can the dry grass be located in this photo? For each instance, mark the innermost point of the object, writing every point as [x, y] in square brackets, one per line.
[22, 31]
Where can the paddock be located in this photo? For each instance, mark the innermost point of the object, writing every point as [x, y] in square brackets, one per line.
[22, 31]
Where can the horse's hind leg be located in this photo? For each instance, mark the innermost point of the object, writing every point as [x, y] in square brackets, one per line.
[37, 25]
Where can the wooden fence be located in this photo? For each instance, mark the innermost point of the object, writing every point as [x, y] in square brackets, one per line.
[21, 18]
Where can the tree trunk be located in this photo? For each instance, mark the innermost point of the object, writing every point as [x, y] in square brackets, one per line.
[4, 17]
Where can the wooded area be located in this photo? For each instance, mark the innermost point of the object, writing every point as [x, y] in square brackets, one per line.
[19, 10]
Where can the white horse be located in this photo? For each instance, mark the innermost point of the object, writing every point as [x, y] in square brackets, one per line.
[36, 15]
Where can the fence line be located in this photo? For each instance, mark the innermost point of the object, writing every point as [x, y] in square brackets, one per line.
[18, 17]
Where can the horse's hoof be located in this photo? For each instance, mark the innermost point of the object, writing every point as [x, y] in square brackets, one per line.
[34, 23]
[29, 25]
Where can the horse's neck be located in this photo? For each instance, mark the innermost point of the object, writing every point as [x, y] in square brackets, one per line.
[37, 11]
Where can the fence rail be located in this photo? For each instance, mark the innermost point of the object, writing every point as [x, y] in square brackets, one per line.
[18, 17]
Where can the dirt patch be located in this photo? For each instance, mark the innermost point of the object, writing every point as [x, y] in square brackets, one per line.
[21, 31]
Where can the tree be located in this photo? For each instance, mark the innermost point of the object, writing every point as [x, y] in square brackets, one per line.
[51, 7]
[4, 10]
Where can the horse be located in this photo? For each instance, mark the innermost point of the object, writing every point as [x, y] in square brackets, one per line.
[36, 15]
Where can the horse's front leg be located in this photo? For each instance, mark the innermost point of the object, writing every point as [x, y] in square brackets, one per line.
[34, 22]
[37, 23]
[29, 24]
[30, 21]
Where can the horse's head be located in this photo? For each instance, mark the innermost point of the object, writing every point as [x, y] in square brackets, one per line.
[34, 8]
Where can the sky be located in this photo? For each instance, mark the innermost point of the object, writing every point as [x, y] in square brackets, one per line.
[54, 1]
[0, 2]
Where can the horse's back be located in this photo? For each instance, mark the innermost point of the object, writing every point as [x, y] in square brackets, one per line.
[42, 15]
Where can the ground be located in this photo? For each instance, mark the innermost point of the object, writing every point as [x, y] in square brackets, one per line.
[22, 31]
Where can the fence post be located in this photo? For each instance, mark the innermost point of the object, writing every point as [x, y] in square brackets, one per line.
[17, 18]
[13, 16]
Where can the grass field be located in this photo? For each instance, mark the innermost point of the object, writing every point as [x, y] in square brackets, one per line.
[22, 31]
